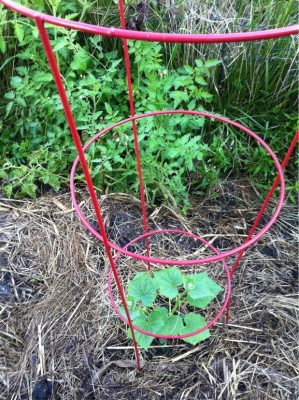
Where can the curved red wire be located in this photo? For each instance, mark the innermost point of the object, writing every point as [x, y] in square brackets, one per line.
[209, 324]
[184, 262]
[151, 36]
[124, 34]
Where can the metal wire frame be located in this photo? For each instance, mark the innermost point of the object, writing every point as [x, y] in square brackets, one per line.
[182, 336]
[152, 36]
[124, 34]
[220, 255]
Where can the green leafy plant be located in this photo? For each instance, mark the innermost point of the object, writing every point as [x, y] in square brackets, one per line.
[157, 302]
[36, 146]
[95, 82]
[180, 154]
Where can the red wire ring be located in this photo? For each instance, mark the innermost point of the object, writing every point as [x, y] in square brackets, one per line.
[150, 36]
[209, 324]
[219, 255]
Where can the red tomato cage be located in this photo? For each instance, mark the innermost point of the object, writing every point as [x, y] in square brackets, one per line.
[115, 252]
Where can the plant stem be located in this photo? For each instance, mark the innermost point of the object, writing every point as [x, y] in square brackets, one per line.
[143, 310]
[180, 299]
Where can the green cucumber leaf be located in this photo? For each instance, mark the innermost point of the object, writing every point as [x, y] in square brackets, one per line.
[201, 289]
[143, 341]
[193, 322]
[133, 310]
[152, 323]
[173, 325]
[168, 280]
[143, 288]
[162, 313]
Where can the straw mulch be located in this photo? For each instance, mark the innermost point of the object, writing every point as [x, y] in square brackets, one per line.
[61, 339]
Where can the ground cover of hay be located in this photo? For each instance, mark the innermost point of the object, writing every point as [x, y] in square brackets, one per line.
[61, 339]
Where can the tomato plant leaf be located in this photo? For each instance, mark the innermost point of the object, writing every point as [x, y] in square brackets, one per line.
[19, 31]
[2, 44]
[200, 80]
[212, 63]
[199, 63]
[8, 108]
[189, 69]
[108, 108]
[15, 82]
[80, 60]
[43, 77]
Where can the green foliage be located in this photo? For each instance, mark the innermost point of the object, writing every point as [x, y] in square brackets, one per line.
[149, 291]
[246, 155]
[194, 322]
[201, 290]
[168, 280]
[95, 84]
[179, 153]
[143, 288]
[36, 145]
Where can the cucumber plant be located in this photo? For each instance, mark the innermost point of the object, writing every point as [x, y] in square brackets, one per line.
[157, 302]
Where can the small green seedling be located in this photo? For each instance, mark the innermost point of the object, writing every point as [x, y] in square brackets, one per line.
[156, 300]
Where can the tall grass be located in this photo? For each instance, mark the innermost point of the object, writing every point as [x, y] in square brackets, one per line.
[257, 73]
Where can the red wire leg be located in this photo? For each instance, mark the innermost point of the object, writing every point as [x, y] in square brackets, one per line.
[77, 141]
[132, 111]
[262, 210]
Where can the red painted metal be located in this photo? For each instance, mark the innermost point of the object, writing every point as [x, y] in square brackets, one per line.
[76, 138]
[267, 199]
[262, 210]
[209, 324]
[132, 111]
[124, 34]
[216, 257]
[154, 37]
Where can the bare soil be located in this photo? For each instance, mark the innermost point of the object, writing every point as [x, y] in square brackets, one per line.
[61, 339]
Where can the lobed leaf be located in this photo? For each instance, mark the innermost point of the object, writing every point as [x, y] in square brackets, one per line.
[201, 289]
[143, 288]
[143, 341]
[168, 280]
[173, 325]
[193, 322]
[133, 310]
[152, 323]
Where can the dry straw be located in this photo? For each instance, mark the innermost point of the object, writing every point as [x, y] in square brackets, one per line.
[59, 329]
